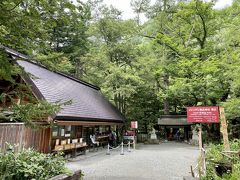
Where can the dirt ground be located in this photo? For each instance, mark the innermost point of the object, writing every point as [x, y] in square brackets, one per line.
[166, 161]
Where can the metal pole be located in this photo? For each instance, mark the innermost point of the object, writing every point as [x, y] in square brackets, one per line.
[134, 147]
[129, 150]
[200, 163]
[200, 137]
[108, 150]
[204, 162]
[122, 153]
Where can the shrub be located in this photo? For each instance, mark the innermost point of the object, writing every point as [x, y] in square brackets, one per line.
[29, 164]
[214, 156]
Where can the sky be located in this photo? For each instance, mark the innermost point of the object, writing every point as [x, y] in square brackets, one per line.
[127, 13]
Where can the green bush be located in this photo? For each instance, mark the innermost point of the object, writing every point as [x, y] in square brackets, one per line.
[214, 156]
[29, 164]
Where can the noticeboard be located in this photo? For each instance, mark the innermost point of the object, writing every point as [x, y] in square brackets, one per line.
[203, 114]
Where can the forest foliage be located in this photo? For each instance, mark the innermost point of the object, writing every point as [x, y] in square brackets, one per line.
[185, 54]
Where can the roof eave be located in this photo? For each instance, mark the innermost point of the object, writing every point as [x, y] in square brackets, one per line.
[76, 118]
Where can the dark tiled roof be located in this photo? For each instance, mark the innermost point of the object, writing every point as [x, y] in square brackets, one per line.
[13, 52]
[173, 120]
[87, 101]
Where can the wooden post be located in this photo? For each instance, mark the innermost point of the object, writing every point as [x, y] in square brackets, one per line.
[204, 162]
[192, 171]
[200, 149]
[223, 129]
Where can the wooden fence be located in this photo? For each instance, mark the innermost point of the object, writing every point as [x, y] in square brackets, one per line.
[200, 169]
[19, 134]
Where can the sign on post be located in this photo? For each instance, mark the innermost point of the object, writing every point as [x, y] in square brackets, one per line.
[134, 124]
[203, 114]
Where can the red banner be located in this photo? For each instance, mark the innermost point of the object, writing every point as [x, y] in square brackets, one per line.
[203, 114]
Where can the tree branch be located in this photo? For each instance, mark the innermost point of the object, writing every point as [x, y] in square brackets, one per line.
[165, 44]
[189, 37]
[204, 31]
[204, 28]
[15, 6]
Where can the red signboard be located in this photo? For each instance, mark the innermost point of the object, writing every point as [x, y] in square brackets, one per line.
[134, 124]
[203, 114]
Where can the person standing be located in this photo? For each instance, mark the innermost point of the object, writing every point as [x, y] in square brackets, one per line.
[178, 135]
[114, 138]
[110, 138]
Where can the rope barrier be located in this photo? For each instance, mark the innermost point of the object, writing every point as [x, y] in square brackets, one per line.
[122, 147]
[133, 143]
[112, 148]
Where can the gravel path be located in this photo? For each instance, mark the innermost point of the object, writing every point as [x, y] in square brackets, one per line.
[166, 161]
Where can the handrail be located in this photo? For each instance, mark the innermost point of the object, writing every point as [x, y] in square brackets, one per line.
[200, 168]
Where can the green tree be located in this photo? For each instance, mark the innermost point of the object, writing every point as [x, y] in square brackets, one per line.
[111, 57]
[139, 7]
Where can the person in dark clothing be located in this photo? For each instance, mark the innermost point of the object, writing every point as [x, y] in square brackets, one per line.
[111, 138]
[114, 138]
[178, 135]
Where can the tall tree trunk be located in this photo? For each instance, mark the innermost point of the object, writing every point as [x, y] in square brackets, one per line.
[116, 100]
[119, 102]
[164, 5]
[123, 105]
[166, 102]
[166, 107]
[138, 18]
[79, 68]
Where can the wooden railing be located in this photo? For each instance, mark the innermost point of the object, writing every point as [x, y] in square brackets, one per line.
[200, 169]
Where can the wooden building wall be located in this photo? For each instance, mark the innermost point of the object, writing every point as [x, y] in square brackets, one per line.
[17, 133]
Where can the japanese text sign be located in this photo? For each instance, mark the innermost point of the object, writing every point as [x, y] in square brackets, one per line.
[203, 114]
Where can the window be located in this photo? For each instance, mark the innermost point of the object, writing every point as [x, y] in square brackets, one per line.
[55, 131]
[63, 131]
[67, 131]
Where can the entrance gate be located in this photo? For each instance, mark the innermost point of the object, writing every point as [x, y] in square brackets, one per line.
[169, 125]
